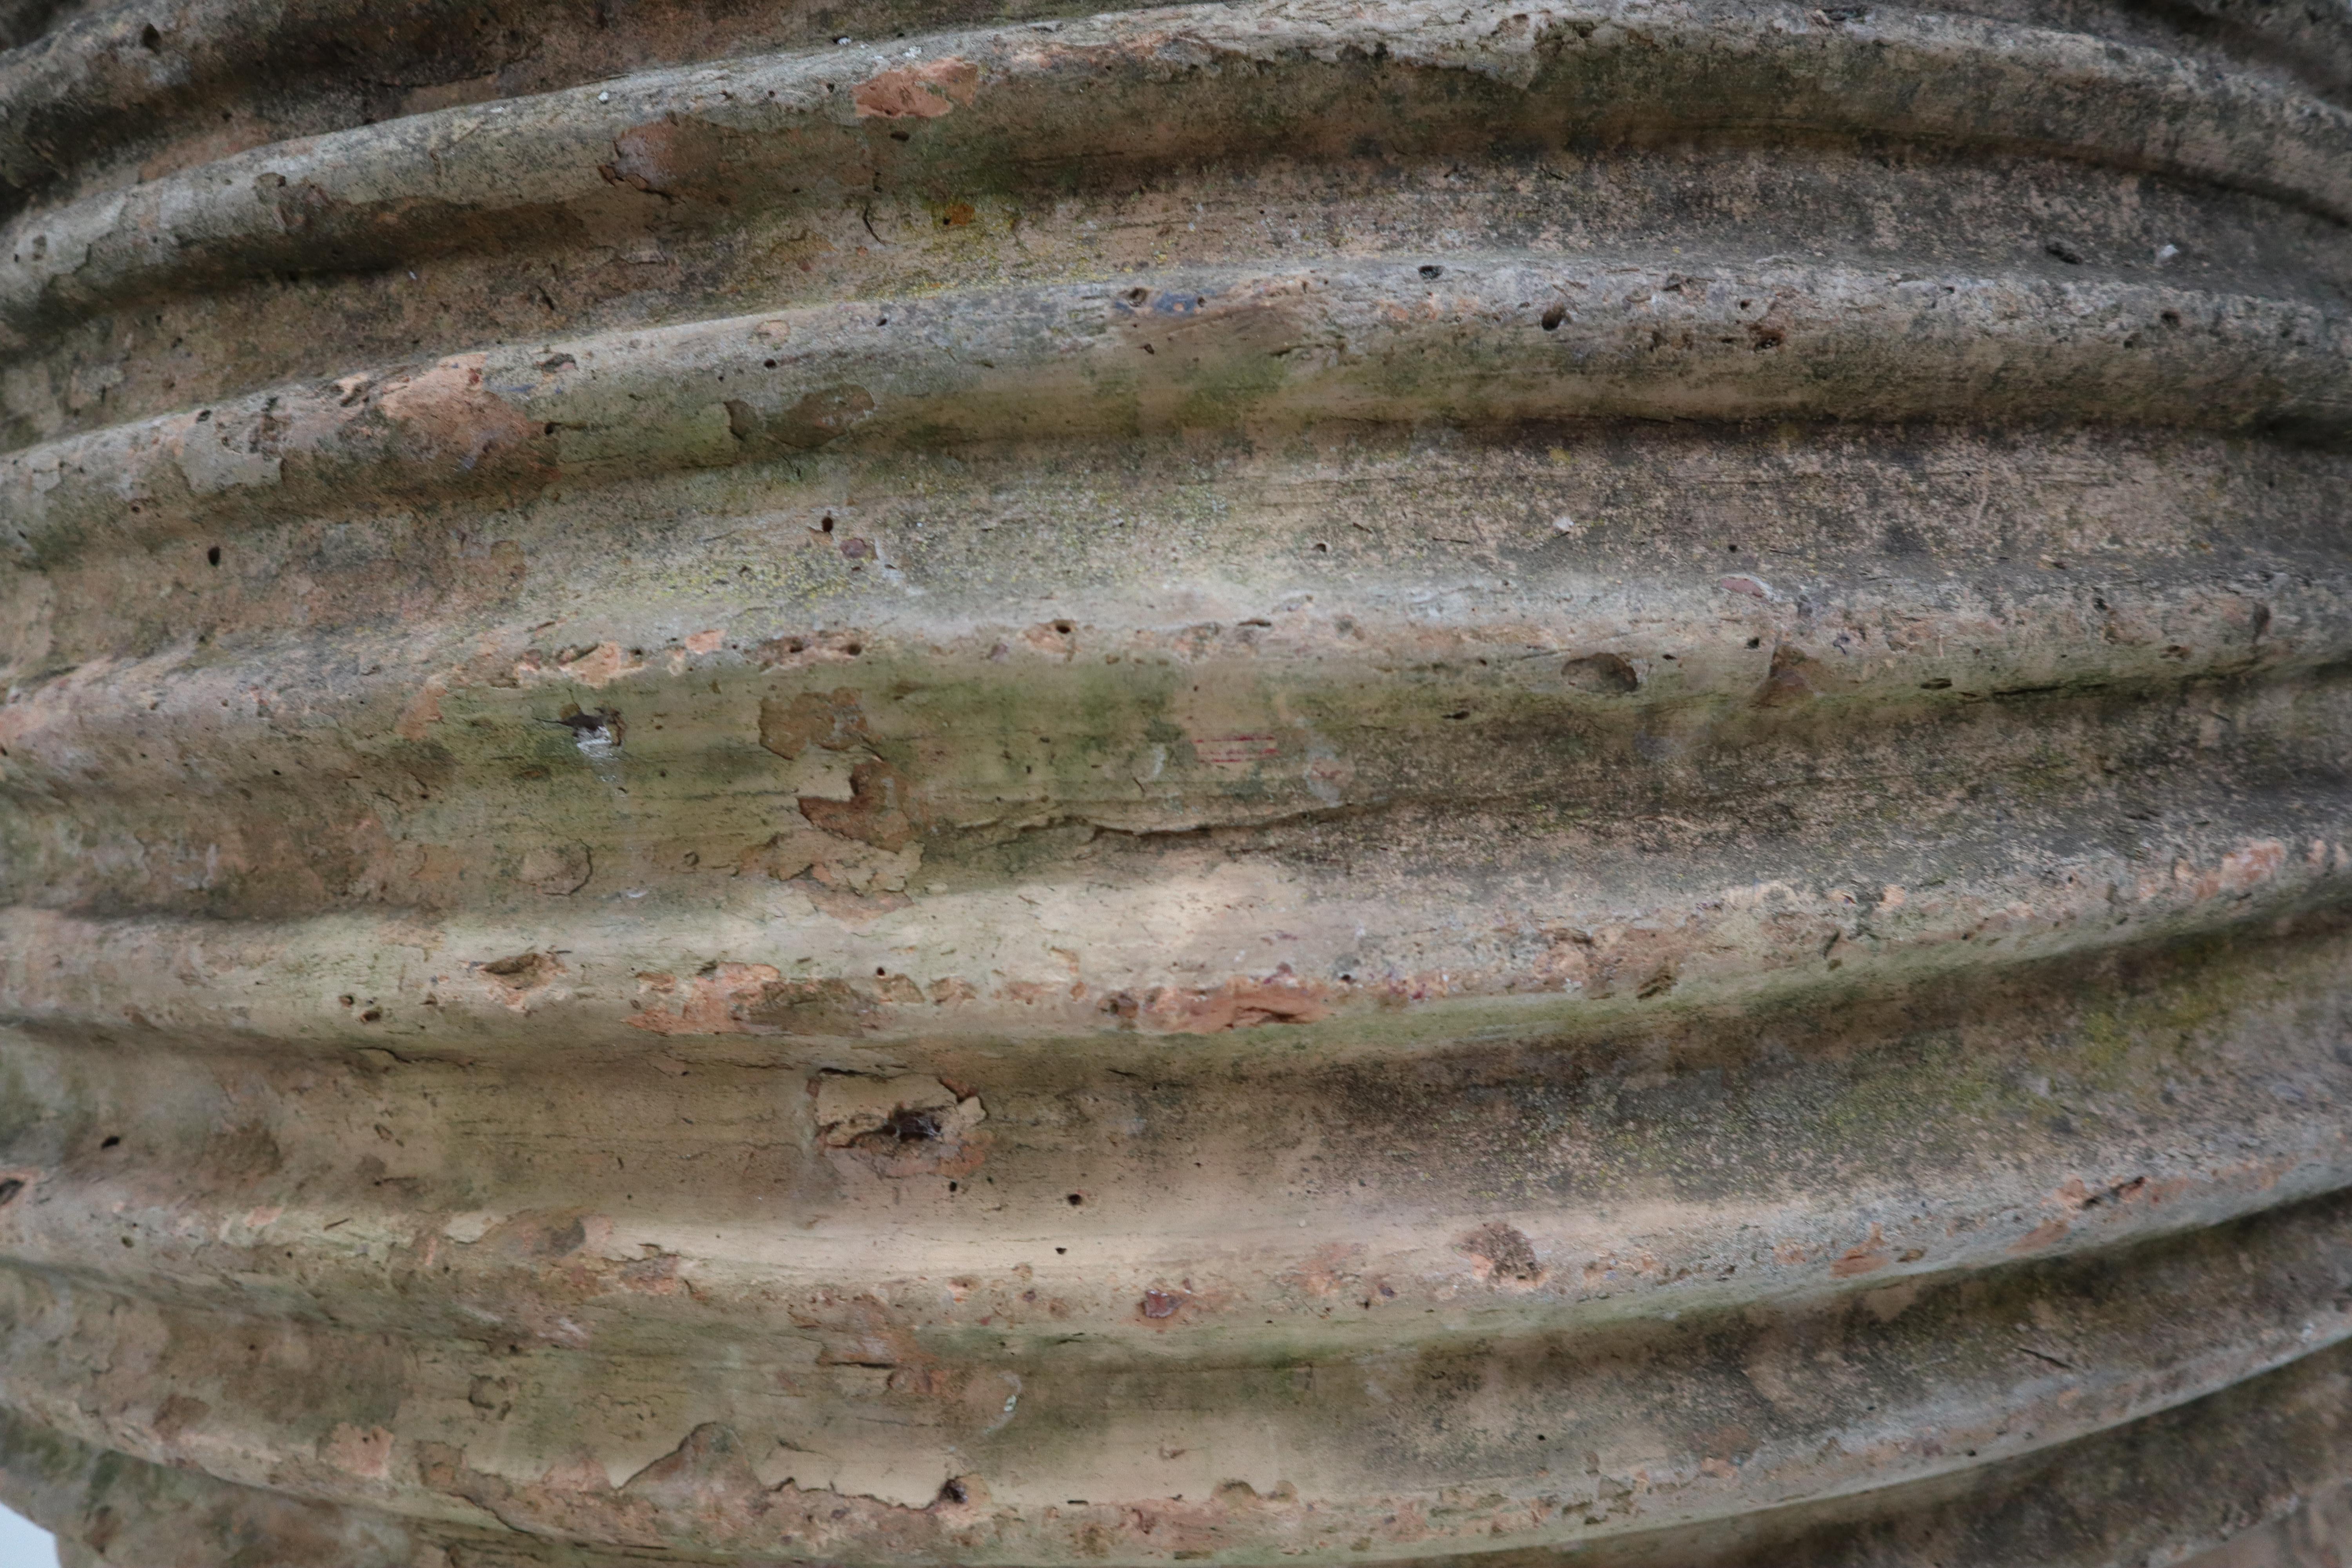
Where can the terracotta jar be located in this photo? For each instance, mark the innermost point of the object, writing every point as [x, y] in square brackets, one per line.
[896, 784]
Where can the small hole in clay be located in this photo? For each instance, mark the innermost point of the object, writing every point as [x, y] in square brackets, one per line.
[108, 1141]
[912, 1126]
[1076, 1198]
[212, 556]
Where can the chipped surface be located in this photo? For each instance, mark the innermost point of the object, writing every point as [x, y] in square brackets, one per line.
[947, 786]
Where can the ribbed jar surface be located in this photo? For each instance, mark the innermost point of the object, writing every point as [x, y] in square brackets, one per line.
[909, 783]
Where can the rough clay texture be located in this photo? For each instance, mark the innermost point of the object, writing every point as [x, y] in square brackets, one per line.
[899, 785]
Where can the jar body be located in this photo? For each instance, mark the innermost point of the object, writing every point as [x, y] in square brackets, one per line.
[924, 786]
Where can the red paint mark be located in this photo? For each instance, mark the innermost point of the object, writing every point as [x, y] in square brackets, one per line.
[1235, 751]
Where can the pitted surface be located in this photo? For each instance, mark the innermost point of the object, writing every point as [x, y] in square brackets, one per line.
[916, 785]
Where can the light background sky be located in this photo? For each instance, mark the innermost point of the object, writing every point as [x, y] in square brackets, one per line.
[24, 1545]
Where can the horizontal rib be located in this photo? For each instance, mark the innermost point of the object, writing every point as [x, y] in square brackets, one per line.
[1222, 81]
[1491, 339]
[1965, 1372]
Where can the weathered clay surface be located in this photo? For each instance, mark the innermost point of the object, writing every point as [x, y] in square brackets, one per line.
[909, 783]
